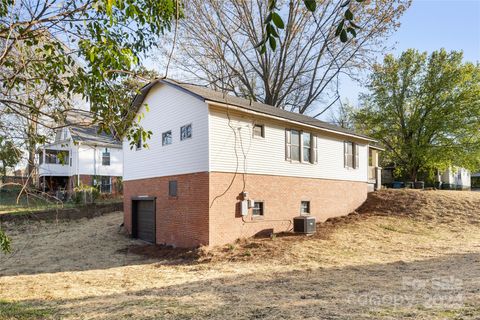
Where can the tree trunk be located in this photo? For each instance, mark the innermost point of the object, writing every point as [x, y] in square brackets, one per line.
[32, 144]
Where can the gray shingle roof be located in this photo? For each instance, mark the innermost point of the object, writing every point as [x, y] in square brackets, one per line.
[90, 135]
[208, 94]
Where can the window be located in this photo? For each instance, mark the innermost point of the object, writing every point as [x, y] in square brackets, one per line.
[70, 162]
[351, 156]
[106, 184]
[167, 138]
[295, 145]
[300, 146]
[40, 157]
[106, 157]
[56, 157]
[257, 209]
[307, 147]
[138, 144]
[305, 207]
[172, 188]
[370, 157]
[259, 130]
[186, 132]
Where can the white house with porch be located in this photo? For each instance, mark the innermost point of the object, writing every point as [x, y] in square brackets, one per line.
[80, 155]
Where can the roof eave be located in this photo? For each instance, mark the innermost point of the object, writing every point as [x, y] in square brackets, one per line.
[231, 106]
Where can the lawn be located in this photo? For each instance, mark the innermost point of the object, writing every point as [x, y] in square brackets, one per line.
[405, 254]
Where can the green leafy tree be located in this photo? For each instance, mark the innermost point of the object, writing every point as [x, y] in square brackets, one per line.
[10, 155]
[78, 51]
[425, 109]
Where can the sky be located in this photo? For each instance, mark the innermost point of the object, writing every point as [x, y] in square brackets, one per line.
[429, 25]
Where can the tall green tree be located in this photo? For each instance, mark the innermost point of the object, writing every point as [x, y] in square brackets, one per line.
[425, 109]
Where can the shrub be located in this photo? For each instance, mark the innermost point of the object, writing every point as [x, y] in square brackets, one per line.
[85, 194]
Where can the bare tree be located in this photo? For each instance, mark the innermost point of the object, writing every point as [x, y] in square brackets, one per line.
[219, 37]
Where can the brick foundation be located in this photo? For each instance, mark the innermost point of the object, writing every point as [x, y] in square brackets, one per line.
[282, 197]
[181, 221]
[200, 216]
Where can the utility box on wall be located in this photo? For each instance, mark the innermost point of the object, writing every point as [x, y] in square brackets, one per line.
[304, 224]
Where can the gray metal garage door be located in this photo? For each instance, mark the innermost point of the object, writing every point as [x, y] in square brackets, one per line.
[145, 219]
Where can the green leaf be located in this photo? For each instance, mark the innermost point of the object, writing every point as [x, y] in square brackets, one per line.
[352, 31]
[261, 43]
[271, 31]
[346, 3]
[353, 24]
[268, 18]
[310, 4]
[348, 14]
[339, 28]
[263, 49]
[272, 42]
[277, 20]
[343, 36]
[272, 4]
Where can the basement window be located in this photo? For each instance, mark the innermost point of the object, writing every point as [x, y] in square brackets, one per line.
[257, 210]
[305, 207]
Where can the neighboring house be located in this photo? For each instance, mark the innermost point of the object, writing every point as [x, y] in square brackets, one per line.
[455, 178]
[475, 181]
[210, 151]
[80, 155]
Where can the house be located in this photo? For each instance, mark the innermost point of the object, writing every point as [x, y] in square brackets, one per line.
[80, 155]
[455, 178]
[211, 151]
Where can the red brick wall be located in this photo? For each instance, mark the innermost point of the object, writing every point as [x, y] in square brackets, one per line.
[181, 221]
[282, 197]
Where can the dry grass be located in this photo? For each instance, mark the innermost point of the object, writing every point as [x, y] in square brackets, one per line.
[354, 267]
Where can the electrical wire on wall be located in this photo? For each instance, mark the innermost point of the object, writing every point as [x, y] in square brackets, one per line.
[245, 152]
[236, 157]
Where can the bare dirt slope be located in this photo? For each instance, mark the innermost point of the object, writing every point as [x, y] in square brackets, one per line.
[403, 254]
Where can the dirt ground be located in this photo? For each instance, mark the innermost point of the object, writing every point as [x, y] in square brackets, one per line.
[404, 254]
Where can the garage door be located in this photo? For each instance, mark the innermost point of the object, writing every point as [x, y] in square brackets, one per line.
[144, 215]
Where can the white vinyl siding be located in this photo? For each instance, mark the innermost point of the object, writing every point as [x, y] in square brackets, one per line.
[170, 109]
[85, 160]
[90, 161]
[268, 155]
